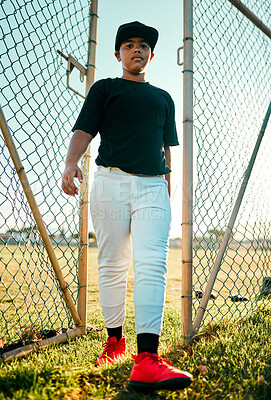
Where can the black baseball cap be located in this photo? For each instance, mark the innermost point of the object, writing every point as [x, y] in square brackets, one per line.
[136, 29]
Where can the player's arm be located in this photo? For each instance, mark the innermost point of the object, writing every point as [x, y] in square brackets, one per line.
[78, 146]
[168, 163]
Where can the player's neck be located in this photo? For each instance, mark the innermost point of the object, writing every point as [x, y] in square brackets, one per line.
[140, 77]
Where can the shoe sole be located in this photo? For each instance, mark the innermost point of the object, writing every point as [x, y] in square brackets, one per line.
[168, 384]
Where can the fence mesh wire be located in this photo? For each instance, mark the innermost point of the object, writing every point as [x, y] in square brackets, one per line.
[39, 111]
[231, 91]
[232, 76]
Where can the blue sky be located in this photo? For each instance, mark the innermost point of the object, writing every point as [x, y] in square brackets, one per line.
[163, 71]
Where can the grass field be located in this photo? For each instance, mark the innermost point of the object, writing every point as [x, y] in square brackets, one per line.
[231, 360]
[29, 294]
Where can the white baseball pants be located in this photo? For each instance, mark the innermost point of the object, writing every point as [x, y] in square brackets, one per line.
[128, 209]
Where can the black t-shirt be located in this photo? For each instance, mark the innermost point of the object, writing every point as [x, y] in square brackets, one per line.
[135, 120]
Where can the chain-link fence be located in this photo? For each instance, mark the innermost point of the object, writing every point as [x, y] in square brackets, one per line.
[232, 75]
[231, 96]
[39, 111]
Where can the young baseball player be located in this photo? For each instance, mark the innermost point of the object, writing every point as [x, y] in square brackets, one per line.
[129, 201]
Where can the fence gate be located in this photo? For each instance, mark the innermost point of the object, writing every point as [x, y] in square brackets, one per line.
[46, 46]
[227, 150]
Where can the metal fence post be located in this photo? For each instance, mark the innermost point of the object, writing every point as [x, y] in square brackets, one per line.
[84, 187]
[187, 201]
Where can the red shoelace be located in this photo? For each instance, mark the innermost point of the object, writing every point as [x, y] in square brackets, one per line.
[109, 348]
[161, 361]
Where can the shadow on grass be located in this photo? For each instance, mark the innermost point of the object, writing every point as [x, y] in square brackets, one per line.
[111, 383]
[16, 381]
[48, 383]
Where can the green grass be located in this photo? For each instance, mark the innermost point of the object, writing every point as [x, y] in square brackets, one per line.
[236, 354]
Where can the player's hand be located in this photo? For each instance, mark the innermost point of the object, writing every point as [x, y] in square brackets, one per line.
[68, 184]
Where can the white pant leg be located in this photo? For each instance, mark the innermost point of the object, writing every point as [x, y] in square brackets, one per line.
[150, 228]
[110, 212]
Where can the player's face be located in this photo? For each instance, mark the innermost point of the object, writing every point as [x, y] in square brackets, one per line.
[135, 55]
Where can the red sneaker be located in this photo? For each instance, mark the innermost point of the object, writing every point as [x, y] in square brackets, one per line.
[151, 372]
[113, 351]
